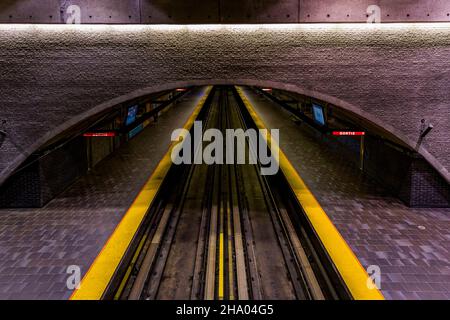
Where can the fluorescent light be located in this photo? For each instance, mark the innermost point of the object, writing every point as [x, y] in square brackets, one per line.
[231, 27]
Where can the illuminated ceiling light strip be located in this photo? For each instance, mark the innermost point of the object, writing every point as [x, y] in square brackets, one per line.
[231, 27]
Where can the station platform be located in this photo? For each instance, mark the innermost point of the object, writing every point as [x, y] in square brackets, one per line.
[411, 246]
[38, 245]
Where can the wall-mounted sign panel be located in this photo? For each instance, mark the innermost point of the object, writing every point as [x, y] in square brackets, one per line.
[318, 114]
[99, 134]
[135, 131]
[131, 116]
[348, 133]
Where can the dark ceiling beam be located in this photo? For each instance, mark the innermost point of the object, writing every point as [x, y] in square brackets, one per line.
[221, 11]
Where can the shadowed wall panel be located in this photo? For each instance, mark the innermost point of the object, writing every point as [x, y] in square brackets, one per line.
[222, 11]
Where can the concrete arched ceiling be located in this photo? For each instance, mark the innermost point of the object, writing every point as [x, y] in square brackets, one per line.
[55, 76]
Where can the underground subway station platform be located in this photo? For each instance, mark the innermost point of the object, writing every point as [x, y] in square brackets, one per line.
[229, 152]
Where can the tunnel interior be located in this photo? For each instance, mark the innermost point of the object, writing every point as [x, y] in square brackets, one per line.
[371, 151]
[232, 153]
[238, 233]
[236, 202]
[74, 152]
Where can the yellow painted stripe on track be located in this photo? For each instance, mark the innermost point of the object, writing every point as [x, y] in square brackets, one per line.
[130, 268]
[230, 255]
[348, 265]
[221, 257]
[102, 269]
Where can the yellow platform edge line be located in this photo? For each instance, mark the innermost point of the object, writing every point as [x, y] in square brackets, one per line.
[97, 278]
[349, 267]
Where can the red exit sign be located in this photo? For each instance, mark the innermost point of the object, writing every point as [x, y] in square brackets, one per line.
[349, 133]
[99, 134]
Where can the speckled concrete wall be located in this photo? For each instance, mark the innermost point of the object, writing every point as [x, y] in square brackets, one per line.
[52, 77]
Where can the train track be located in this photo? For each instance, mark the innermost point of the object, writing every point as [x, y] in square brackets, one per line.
[223, 231]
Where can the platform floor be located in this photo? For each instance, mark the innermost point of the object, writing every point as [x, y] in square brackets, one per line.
[38, 245]
[381, 230]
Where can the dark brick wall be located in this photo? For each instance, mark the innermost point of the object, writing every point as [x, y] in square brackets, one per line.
[61, 168]
[404, 174]
[23, 190]
[427, 188]
[387, 164]
[42, 180]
